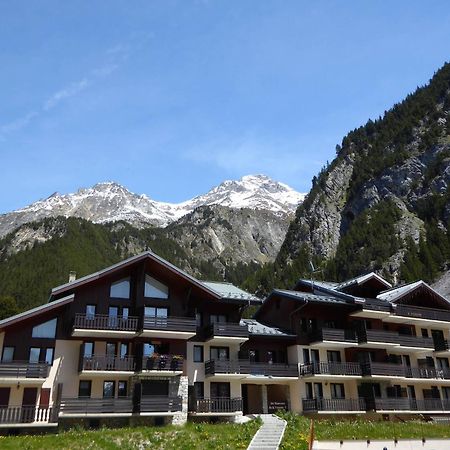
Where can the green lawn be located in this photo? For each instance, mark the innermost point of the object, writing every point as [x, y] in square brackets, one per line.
[297, 431]
[192, 436]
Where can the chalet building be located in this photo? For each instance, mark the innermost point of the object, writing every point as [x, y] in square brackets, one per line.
[142, 341]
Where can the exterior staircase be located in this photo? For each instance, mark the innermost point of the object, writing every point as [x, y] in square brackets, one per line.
[269, 435]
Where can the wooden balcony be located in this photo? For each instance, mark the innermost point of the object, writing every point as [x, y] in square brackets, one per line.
[225, 333]
[333, 405]
[349, 369]
[160, 404]
[420, 315]
[218, 406]
[102, 363]
[227, 367]
[386, 370]
[427, 373]
[163, 364]
[415, 342]
[24, 369]
[169, 327]
[278, 370]
[393, 340]
[30, 415]
[92, 407]
[100, 325]
[333, 338]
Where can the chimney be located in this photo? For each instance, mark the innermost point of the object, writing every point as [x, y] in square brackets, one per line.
[72, 276]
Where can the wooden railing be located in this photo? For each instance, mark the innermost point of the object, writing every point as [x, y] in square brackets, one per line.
[427, 372]
[418, 312]
[92, 406]
[25, 414]
[333, 334]
[333, 404]
[392, 404]
[170, 323]
[163, 363]
[224, 329]
[392, 337]
[152, 403]
[238, 366]
[107, 363]
[218, 405]
[331, 368]
[105, 322]
[274, 369]
[415, 341]
[383, 369]
[23, 369]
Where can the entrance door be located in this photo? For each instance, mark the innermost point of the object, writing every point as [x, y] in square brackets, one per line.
[29, 404]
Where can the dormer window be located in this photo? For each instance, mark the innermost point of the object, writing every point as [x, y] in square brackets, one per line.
[155, 289]
[45, 330]
[120, 289]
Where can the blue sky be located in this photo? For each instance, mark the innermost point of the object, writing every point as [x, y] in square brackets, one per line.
[172, 97]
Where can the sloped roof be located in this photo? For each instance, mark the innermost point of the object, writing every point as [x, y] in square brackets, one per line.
[36, 311]
[229, 291]
[395, 294]
[327, 288]
[362, 279]
[115, 267]
[296, 295]
[260, 329]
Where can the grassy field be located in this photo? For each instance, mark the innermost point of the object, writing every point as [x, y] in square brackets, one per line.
[191, 436]
[297, 431]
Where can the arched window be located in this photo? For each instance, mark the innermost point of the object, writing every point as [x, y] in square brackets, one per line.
[120, 289]
[154, 288]
[45, 330]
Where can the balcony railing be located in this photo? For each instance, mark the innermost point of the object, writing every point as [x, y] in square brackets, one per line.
[183, 324]
[224, 330]
[107, 363]
[441, 345]
[333, 404]
[392, 404]
[23, 369]
[105, 322]
[25, 414]
[427, 372]
[227, 366]
[392, 337]
[152, 403]
[418, 312]
[163, 363]
[383, 369]
[273, 369]
[331, 368]
[218, 405]
[93, 406]
[333, 334]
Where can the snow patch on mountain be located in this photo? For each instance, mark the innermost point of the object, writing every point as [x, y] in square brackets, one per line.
[110, 202]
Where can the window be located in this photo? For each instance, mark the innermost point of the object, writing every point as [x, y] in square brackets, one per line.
[217, 318]
[34, 354]
[424, 332]
[125, 312]
[108, 389]
[110, 349]
[155, 289]
[123, 350]
[219, 353]
[49, 355]
[90, 312]
[333, 356]
[88, 349]
[315, 357]
[198, 353]
[45, 330]
[318, 390]
[220, 390]
[199, 389]
[84, 388]
[337, 390]
[149, 349]
[306, 356]
[8, 354]
[151, 311]
[120, 289]
[309, 390]
[122, 389]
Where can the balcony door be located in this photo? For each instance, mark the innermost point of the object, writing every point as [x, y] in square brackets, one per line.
[221, 353]
[220, 390]
[4, 396]
[29, 404]
[113, 315]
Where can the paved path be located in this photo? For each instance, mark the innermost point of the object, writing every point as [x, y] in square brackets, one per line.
[269, 435]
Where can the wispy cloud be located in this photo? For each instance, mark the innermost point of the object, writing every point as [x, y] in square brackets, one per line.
[249, 154]
[115, 57]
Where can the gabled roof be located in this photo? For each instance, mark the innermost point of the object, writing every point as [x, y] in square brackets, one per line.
[296, 295]
[36, 311]
[395, 294]
[256, 328]
[229, 291]
[362, 279]
[326, 288]
[127, 262]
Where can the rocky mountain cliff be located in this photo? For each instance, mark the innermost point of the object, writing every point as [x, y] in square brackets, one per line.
[383, 203]
[111, 202]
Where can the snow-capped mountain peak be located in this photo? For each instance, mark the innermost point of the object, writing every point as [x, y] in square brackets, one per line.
[110, 201]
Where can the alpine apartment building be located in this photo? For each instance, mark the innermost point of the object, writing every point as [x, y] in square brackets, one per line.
[144, 341]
